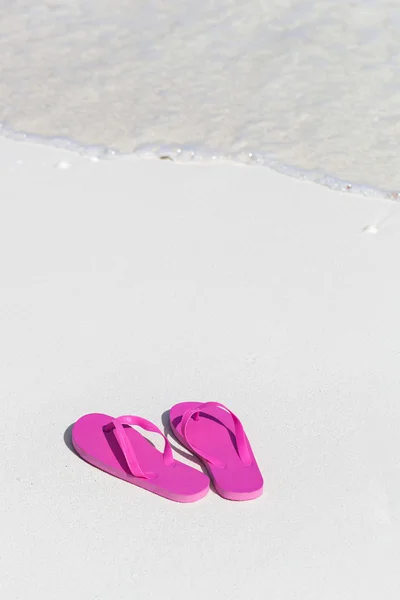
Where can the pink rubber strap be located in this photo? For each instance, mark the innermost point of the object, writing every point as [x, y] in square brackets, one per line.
[241, 440]
[126, 446]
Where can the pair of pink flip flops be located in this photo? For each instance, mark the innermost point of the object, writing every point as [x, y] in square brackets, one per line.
[209, 430]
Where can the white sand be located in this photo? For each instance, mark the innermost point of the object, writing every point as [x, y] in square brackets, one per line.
[129, 285]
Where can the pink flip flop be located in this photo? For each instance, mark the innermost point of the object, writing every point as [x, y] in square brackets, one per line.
[113, 446]
[216, 436]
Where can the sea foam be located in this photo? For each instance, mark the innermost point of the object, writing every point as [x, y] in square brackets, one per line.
[311, 89]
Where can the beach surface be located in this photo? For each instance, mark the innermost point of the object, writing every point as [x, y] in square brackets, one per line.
[129, 285]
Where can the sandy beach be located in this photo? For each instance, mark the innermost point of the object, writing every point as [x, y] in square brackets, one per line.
[129, 285]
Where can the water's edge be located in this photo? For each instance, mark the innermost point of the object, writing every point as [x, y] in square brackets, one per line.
[184, 154]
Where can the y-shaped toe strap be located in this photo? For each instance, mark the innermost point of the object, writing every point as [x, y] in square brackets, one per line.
[127, 448]
[241, 440]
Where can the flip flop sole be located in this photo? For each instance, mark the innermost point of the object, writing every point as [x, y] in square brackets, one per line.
[214, 433]
[100, 448]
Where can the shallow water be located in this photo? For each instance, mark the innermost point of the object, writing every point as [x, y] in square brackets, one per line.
[311, 88]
